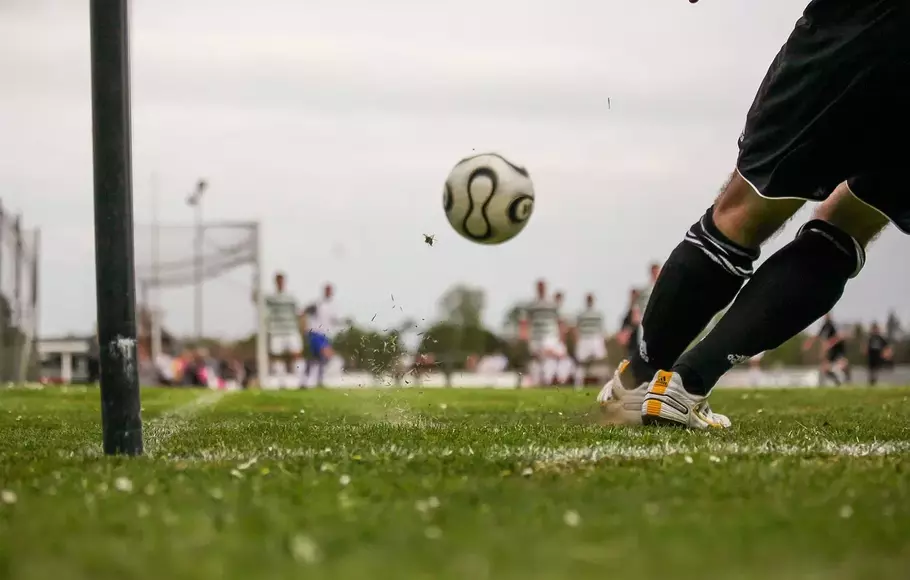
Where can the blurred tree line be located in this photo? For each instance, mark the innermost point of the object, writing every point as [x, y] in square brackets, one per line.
[460, 333]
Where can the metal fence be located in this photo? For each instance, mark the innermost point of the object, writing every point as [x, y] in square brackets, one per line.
[19, 251]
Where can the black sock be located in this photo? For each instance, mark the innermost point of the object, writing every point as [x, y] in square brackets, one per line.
[699, 279]
[796, 286]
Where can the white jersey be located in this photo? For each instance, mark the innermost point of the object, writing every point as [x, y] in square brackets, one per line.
[590, 324]
[322, 320]
[543, 318]
[281, 314]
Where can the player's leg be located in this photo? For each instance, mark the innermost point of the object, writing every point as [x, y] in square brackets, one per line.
[274, 375]
[824, 370]
[295, 361]
[589, 352]
[873, 372]
[568, 370]
[698, 280]
[581, 369]
[535, 364]
[792, 289]
[313, 361]
[837, 370]
[836, 88]
[834, 372]
[550, 365]
[582, 372]
[324, 354]
[585, 356]
[535, 370]
[842, 367]
[716, 256]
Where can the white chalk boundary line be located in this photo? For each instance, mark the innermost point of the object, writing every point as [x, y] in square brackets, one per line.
[162, 429]
[555, 455]
[173, 422]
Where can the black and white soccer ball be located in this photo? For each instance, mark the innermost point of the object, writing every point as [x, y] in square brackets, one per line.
[488, 199]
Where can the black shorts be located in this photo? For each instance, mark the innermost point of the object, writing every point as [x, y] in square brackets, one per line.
[834, 107]
[835, 354]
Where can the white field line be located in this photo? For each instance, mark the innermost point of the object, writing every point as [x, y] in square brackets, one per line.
[557, 455]
[169, 424]
[162, 429]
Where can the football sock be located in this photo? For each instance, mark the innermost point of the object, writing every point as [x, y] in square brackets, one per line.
[700, 278]
[796, 286]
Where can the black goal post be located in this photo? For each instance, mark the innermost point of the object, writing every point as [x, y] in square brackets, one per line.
[114, 278]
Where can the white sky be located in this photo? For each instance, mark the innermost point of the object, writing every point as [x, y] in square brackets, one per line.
[334, 123]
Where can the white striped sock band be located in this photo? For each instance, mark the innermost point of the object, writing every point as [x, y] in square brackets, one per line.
[732, 258]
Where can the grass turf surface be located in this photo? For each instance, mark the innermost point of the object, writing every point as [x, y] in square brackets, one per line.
[810, 483]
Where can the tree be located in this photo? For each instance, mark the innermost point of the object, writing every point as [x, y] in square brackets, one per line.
[375, 352]
[461, 331]
[512, 319]
[446, 338]
[893, 327]
[463, 306]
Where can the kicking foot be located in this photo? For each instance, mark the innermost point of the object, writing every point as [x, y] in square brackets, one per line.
[668, 403]
[620, 405]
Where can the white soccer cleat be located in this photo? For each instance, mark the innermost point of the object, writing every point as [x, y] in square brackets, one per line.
[621, 406]
[668, 403]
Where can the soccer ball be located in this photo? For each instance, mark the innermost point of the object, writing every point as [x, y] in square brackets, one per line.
[488, 199]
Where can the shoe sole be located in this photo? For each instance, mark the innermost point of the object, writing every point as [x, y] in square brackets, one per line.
[658, 421]
[651, 414]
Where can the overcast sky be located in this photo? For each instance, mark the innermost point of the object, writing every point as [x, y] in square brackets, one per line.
[334, 122]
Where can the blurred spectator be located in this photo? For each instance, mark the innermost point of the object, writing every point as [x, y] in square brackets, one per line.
[165, 369]
[629, 332]
[877, 351]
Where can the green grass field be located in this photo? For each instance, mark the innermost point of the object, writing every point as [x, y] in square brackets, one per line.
[473, 484]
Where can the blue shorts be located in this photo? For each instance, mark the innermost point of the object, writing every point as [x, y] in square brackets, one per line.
[318, 342]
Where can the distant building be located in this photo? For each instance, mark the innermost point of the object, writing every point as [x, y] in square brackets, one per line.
[69, 359]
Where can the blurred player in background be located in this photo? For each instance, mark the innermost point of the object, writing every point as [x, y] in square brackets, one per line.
[645, 294]
[630, 329]
[322, 324]
[565, 365]
[590, 340]
[285, 345]
[540, 323]
[629, 337]
[877, 351]
[834, 363]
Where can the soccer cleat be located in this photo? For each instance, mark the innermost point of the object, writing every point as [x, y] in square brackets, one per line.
[668, 403]
[621, 406]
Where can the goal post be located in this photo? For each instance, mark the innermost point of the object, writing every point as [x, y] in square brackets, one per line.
[121, 418]
[19, 253]
[219, 262]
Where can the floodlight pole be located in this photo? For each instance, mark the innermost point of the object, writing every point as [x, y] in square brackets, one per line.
[114, 266]
[195, 201]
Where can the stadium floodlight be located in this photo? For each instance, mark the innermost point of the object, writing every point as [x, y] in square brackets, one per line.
[113, 193]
